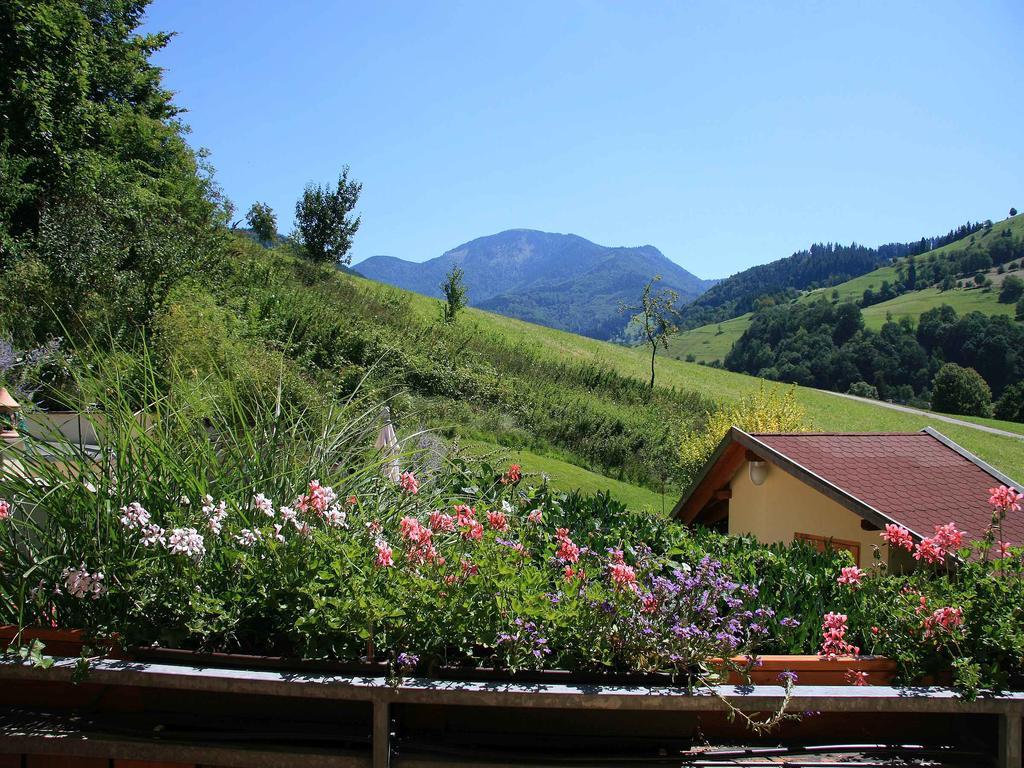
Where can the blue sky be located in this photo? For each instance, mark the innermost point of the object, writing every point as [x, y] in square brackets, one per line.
[725, 134]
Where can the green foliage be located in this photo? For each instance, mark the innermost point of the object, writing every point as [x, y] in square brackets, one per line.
[764, 411]
[1011, 290]
[104, 205]
[323, 220]
[961, 390]
[826, 346]
[1011, 405]
[863, 389]
[454, 290]
[655, 316]
[263, 222]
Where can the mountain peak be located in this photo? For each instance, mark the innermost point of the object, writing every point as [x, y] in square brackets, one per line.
[560, 280]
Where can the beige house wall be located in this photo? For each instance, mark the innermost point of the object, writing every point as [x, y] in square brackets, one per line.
[782, 506]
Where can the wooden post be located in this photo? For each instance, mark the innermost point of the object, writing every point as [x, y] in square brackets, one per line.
[381, 734]
[1010, 736]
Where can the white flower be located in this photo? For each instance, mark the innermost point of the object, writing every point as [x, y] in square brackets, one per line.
[152, 535]
[80, 583]
[506, 507]
[215, 513]
[91, 488]
[288, 514]
[185, 501]
[335, 517]
[247, 538]
[277, 532]
[134, 516]
[264, 505]
[186, 541]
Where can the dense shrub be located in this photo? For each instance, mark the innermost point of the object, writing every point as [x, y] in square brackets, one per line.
[961, 390]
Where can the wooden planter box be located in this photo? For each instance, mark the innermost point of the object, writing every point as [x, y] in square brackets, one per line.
[58, 642]
[810, 670]
[814, 670]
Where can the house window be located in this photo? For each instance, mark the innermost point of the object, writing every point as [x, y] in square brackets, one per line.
[820, 543]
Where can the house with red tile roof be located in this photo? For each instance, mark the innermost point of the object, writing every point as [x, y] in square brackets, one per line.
[839, 490]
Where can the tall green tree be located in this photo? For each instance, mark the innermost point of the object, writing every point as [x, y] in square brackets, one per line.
[103, 204]
[1011, 290]
[454, 289]
[961, 390]
[324, 222]
[263, 222]
[655, 315]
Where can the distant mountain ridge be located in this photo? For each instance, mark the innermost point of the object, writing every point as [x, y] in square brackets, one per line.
[562, 281]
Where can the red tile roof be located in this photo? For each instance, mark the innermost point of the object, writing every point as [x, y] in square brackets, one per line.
[913, 478]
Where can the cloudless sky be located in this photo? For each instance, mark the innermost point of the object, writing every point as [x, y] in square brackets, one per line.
[725, 134]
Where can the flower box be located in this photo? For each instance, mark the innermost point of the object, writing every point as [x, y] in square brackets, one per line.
[57, 641]
[815, 670]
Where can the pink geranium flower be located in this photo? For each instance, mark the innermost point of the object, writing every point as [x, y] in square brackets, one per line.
[497, 521]
[851, 575]
[384, 557]
[513, 475]
[408, 483]
[898, 536]
[5, 509]
[440, 522]
[833, 633]
[1005, 498]
[535, 516]
[567, 552]
[622, 575]
[943, 620]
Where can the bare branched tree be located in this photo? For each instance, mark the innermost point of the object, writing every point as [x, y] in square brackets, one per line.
[655, 315]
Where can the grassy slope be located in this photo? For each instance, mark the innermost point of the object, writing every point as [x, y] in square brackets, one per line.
[707, 343]
[566, 476]
[824, 411]
[916, 303]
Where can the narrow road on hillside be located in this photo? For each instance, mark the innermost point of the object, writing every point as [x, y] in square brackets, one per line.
[928, 414]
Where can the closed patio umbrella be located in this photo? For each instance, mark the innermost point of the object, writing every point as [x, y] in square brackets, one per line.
[387, 443]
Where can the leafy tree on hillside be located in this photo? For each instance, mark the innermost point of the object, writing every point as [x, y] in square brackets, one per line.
[454, 289]
[655, 315]
[961, 390]
[103, 204]
[1011, 405]
[263, 222]
[324, 222]
[863, 389]
[1011, 290]
[1013, 212]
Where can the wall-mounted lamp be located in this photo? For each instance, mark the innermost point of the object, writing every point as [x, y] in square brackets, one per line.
[758, 471]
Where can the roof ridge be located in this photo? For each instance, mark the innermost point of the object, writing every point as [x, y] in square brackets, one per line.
[841, 434]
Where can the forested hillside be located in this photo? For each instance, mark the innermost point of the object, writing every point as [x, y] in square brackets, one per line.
[821, 265]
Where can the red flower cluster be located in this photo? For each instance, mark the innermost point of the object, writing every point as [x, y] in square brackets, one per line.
[947, 540]
[850, 575]
[497, 521]
[833, 633]
[1005, 499]
[567, 551]
[513, 475]
[407, 482]
[898, 536]
[943, 619]
[420, 540]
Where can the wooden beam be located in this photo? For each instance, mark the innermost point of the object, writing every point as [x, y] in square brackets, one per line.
[730, 460]
[723, 494]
